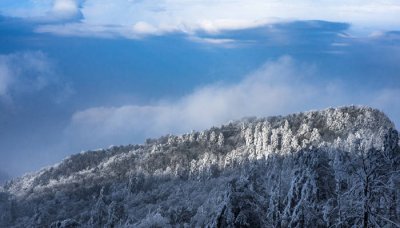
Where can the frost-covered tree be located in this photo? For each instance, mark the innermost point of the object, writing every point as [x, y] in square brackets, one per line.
[98, 214]
[331, 168]
[311, 189]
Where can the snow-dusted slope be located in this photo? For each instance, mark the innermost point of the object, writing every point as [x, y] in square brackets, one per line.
[320, 168]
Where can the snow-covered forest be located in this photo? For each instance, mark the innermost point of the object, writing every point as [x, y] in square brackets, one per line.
[331, 168]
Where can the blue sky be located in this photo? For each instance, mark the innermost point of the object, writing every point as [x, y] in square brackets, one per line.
[85, 74]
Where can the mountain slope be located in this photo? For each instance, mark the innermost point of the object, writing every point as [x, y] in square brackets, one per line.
[320, 168]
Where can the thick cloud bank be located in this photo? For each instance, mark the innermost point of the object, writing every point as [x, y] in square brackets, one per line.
[277, 87]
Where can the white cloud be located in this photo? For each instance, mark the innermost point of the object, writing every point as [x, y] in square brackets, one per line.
[142, 27]
[135, 18]
[46, 11]
[27, 72]
[65, 9]
[278, 87]
[82, 30]
[228, 43]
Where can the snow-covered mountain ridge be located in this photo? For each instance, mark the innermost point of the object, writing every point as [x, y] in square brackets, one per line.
[305, 169]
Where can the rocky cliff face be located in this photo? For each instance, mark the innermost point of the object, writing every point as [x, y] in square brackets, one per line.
[322, 168]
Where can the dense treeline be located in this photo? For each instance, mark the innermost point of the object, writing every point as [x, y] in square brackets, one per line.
[331, 168]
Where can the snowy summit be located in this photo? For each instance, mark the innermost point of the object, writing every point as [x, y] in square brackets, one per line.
[331, 168]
